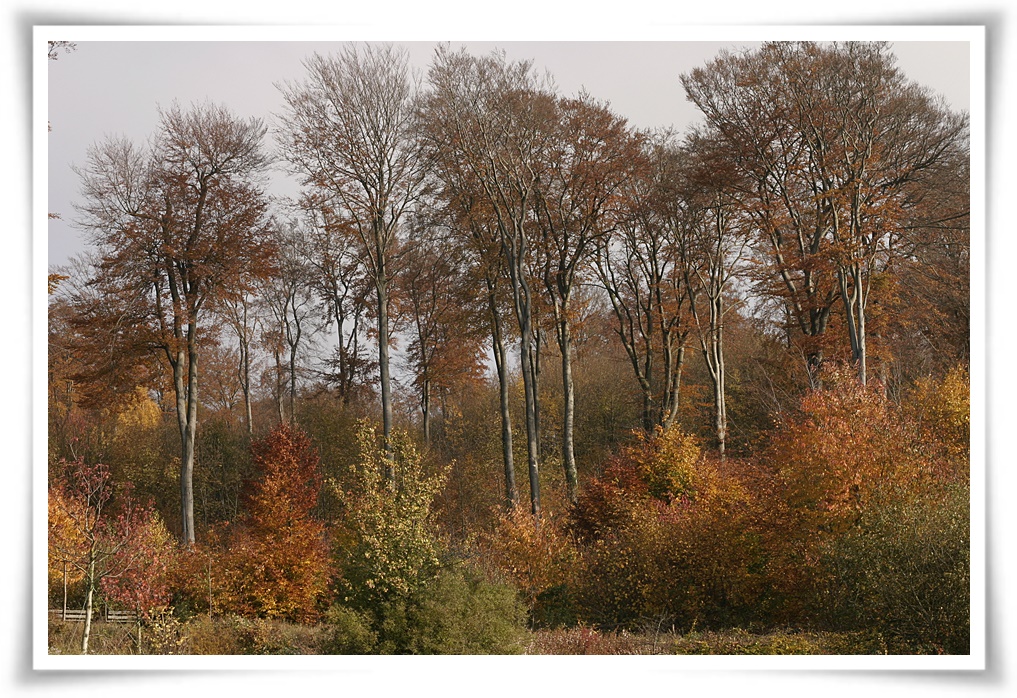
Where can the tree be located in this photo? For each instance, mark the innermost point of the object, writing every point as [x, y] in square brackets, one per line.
[589, 160]
[276, 562]
[243, 322]
[711, 240]
[100, 538]
[290, 302]
[53, 51]
[641, 272]
[386, 547]
[831, 139]
[336, 275]
[439, 293]
[491, 120]
[461, 206]
[349, 130]
[180, 227]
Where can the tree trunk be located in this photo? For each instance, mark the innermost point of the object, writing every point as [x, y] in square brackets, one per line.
[568, 454]
[187, 452]
[529, 390]
[501, 364]
[187, 405]
[385, 374]
[718, 371]
[425, 407]
[293, 383]
[89, 594]
[246, 387]
[669, 413]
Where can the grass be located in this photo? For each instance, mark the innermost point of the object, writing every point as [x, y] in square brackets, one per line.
[234, 635]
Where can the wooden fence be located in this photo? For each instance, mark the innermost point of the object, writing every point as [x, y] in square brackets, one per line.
[77, 615]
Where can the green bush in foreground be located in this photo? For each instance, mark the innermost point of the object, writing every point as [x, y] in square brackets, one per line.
[904, 571]
[458, 612]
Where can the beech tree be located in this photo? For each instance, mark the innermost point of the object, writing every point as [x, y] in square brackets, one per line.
[829, 138]
[712, 241]
[441, 306]
[349, 130]
[491, 119]
[459, 204]
[641, 272]
[291, 308]
[336, 275]
[588, 161]
[179, 225]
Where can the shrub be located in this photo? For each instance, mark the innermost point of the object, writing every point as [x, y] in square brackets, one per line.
[671, 537]
[275, 560]
[349, 632]
[904, 571]
[460, 612]
[853, 533]
[535, 556]
[386, 542]
[664, 467]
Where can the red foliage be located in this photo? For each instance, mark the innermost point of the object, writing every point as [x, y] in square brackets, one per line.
[143, 585]
[276, 562]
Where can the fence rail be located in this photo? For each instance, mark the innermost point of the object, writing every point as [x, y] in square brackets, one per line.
[77, 615]
[71, 615]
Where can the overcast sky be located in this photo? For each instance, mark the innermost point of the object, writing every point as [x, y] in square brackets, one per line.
[115, 88]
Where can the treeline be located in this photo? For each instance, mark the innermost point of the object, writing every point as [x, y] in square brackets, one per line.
[700, 342]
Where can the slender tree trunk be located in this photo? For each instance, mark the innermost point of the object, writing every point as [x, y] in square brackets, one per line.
[535, 382]
[568, 454]
[501, 364]
[89, 594]
[186, 399]
[293, 383]
[425, 407]
[187, 453]
[717, 371]
[245, 384]
[515, 253]
[279, 386]
[385, 374]
[529, 390]
[670, 408]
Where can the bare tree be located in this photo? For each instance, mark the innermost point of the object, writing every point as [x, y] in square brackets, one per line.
[589, 160]
[291, 308]
[491, 118]
[349, 129]
[336, 275]
[641, 271]
[712, 239]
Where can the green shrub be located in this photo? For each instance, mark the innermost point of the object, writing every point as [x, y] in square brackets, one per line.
[904, 571]
[386, 542]
[349, 632]
[458, 612]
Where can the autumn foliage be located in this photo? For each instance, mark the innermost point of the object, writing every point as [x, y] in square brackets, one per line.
[508, 364]
[274, 562]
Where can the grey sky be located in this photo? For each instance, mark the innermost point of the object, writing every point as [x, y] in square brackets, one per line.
[114, 88]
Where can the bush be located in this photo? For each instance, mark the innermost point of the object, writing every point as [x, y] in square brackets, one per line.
[458, 612]
[349, 632]
[671, 538]
[386, 541]
[904, 571]
[535, 556]
[274, 561]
